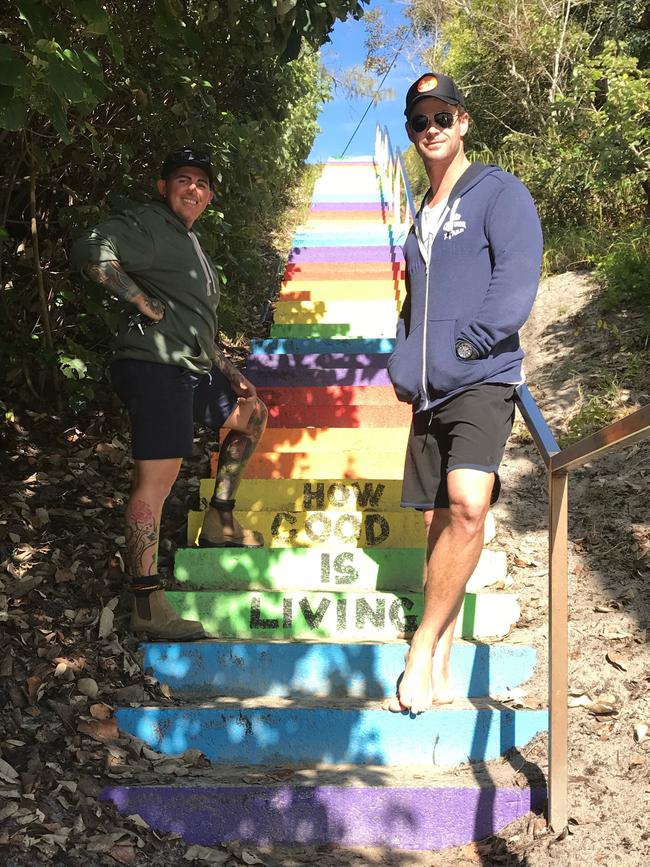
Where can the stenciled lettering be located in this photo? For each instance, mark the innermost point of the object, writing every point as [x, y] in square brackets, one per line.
[377, 529]
[338, 494]
[256, 620]
[377, 618]
[287, 612]
[347, 528]
[370, 495]
[345, 573]
[408, 623]
[314, 618]
[318, 527]
[276, 527]
[341, 614]
[325, 569]
[314, 500]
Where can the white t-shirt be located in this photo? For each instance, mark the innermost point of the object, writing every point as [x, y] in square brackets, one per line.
[431, 220]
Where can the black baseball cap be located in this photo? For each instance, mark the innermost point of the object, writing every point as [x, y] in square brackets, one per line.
[433, 84]
[196, 156]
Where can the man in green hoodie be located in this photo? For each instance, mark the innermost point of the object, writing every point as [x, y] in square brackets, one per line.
[169, 372]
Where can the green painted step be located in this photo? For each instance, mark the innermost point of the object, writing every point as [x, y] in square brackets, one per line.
[348, 616]
[369, 569]
[341, 329]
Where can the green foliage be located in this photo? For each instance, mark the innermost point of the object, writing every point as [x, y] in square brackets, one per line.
[92, 95]
[624, 271]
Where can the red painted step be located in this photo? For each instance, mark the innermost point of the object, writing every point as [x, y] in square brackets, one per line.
[294, 415]
[328, 395]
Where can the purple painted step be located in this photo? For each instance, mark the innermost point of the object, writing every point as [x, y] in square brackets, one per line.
[333, 376]
[346, 254]
[401, 817]
[316, 361]
[347, 206]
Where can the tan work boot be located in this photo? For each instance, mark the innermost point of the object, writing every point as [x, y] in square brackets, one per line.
[152, 616]
[217, 533]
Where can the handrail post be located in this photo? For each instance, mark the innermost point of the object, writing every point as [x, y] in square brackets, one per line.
[558, 650]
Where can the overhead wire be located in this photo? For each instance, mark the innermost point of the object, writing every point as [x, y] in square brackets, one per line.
[375, 94]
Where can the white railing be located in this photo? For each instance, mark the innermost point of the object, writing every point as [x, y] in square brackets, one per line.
[395, 186]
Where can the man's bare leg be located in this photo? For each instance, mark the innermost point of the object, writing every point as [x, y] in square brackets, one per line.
[152, 482]
[152, 614]
[245, 425]
[456, 536]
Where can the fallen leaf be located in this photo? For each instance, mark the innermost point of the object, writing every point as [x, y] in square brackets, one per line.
[7, 773]
[204, 853]
[123, 853]
[100, 711]
[100, 730]
[640, 732]
[106, 619]
[618, 660]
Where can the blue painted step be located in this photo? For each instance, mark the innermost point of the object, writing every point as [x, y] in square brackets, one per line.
[263, 731]
[289, 346]
[337, 670]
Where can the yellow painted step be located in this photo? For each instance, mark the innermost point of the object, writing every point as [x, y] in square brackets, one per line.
[384, 313]
[373, 441]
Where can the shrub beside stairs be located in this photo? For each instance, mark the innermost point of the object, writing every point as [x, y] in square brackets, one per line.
[311, 631]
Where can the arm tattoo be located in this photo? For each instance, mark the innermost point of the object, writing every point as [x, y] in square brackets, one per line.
[225, 366]
[114, 277]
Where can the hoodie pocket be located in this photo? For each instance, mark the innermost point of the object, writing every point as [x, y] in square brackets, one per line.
[445, 371]
[405, 366]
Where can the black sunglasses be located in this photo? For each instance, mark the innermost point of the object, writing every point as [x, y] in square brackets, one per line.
[443, 119]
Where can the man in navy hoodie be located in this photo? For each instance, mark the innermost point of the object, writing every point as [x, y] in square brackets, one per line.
[473, 260]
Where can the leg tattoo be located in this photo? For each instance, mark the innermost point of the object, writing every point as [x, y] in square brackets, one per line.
[141, 538]
[235, 452]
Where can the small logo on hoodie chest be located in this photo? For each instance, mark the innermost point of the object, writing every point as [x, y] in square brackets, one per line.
[455, 224]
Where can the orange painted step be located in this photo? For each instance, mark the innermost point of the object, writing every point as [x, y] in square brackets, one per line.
[294, 415]
[335, 465]
[328, 395]
[306, 295]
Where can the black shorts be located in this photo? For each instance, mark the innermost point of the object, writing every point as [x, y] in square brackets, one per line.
[468, 431]
[164, 401]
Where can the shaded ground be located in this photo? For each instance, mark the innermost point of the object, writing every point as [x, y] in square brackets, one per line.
[66, 660]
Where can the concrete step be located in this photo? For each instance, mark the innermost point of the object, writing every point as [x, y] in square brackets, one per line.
[357, 255]
[306, 465]
[321, 568]
[343, 616]
[329, 395]
[347, 271]
[380, 345]
[383, 290]
[356, 731]
[395, 415]
[306, 312]
[321, 378]
[331, 330]
[351, 528]
[396, 808]
[282, 361]
[295, 495]
[332, 439]
[213, 668]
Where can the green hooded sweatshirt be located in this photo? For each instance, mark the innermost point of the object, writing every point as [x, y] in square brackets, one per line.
[165, 259]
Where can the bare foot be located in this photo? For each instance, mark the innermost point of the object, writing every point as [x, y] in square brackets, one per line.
[414, 689]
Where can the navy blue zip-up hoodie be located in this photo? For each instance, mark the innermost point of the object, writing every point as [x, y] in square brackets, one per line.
[479, 285]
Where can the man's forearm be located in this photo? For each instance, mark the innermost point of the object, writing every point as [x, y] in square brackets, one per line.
[232, 374]
[116, 280]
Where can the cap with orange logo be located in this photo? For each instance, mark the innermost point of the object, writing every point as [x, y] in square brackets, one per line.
[433, 84]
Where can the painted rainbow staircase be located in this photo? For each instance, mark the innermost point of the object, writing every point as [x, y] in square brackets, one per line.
[311, 631]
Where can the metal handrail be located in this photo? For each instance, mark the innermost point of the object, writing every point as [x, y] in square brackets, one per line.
[390, 165]
[558, 462]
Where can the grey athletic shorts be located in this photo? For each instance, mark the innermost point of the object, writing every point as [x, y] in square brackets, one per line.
[164, 401]
[468, 431]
